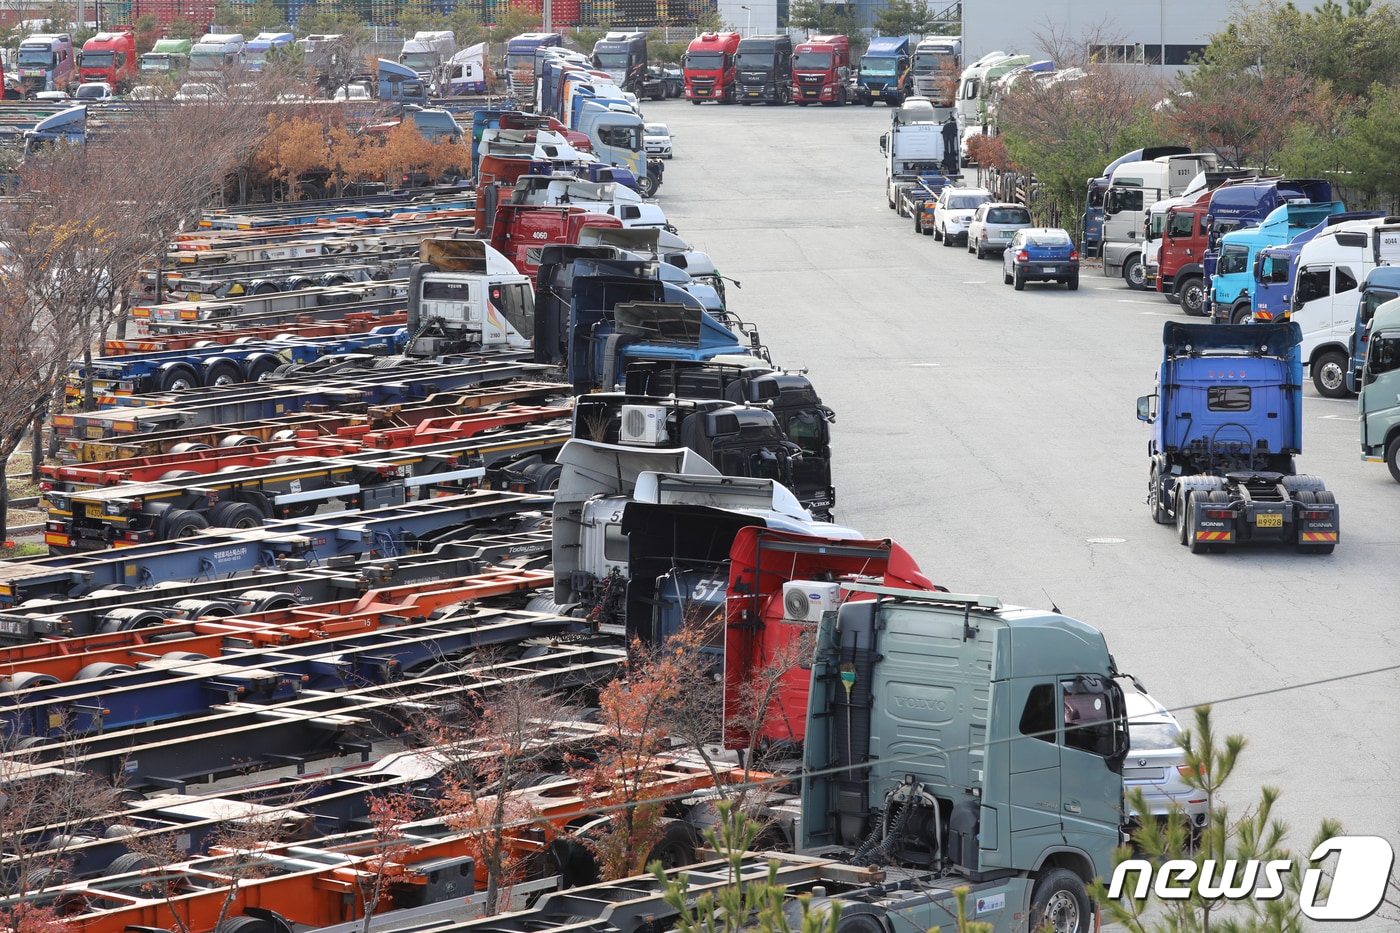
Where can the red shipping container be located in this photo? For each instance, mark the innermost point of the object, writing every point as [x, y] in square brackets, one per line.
[565, 13]
[165, 12]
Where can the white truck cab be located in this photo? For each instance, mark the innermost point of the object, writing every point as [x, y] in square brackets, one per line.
[1331, 268]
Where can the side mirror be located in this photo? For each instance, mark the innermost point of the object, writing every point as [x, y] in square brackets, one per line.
[884, 142]
[1147, 408]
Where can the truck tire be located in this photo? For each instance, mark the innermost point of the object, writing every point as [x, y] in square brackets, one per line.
[1160, 515]
[178, 378]
[1134, 273]
[1392, 457]
[182, 523]
[1192, 290]
[1183, 506]
[239, 515]
[869, 102]
[1329, 374]
[676, 847]
[1061, 903]
[646, 186]
[1241, 313]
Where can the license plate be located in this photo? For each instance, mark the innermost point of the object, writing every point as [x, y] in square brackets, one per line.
[1269, 520]
[1049, 268]
[94, 511]
[96, 432]
[1006, 234]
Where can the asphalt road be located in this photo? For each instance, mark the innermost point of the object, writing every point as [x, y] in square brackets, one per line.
[993, 434]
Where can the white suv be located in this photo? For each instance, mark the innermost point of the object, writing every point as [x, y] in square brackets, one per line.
[994, 225]
[953, 214]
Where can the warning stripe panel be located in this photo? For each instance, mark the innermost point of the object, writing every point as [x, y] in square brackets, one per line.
[1319, 536]
[1213, 536]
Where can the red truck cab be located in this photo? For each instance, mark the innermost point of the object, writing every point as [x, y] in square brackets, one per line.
[1184, 240]
[821, 68]
[110, 57]
[521, 229]
[709, 68]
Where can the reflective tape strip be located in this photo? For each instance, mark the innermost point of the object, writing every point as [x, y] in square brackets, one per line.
[1319, 536]
[1213, 536]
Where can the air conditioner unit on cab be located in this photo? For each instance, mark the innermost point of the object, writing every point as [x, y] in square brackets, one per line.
[643, 425]
[806, 600]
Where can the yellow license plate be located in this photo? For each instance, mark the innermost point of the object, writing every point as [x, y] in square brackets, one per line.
[94, 511]
[1270, 520]
[96, 432]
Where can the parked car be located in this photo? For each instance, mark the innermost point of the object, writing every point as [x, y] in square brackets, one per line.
[94, 90]
[656, 139]
[953, 212]
[993, 226]
[51, 95]
[1040, 254]
[196, 91]
[1156, 762]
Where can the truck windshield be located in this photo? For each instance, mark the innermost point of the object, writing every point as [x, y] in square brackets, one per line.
[754, 61]
[155, 62]
[417, 60]
[710, 61]
[611, 61]
[878, 66]
[1233, 258]
[817, 61]
[518, 59]
[97, 59]
[206, 61]
[928, 62]
[253, 57]
[36, 58]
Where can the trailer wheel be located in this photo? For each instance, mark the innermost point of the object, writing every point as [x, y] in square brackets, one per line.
[244, 925]
[178, 378]
[260, 368]
[1329, 373]
[182, 523]
[1160, 515]
[676, 847]
[239, 515]
[1061, 903]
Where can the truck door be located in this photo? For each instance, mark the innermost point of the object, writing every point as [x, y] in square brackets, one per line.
[1034, 788]
[1312, 305]
[1344, 301]
[1093, 742]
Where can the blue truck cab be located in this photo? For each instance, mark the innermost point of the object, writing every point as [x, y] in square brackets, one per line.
[1382, 284]
[264, 46]
[884, 72]
[1232, 281]
[1227, 421]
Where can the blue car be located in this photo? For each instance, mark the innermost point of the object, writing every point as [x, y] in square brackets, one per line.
[1040, 254]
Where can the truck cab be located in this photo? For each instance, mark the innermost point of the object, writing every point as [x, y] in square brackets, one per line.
[623, 56]
[520, 61]
[821, 70]
[764, 65]
[883, 73]
[936, 68]
[976, 85]
[1381, 285]
[999, 732]
[266, 45]
[709, 68]
[1379, 385]
[216, 54]
[45, 62]
[166, 57]
[1132, 190]
[428, 53]
[464, 295]
[110, 57]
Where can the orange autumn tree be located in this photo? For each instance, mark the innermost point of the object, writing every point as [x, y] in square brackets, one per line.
[635, 716]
